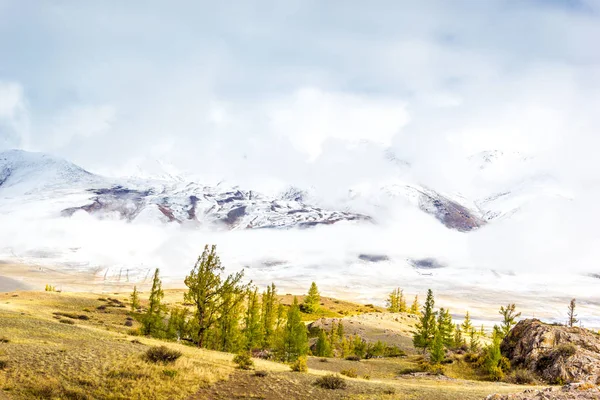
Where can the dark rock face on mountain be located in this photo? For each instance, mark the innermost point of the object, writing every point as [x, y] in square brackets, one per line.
[557, 354]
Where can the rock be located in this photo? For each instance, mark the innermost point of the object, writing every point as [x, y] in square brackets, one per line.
[558, 354]
[568, 392]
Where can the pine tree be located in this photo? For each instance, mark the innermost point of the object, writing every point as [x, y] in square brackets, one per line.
[359, 346]
[415, 308]
[295, 338]
[437, 348]
[340, 330]
[152, 321]
[509, 317]
[392, 301]
[426, 326]
[135, 299]
[493, 359]
[253, 331]
[323, 349]
[207, 292]
[332, 336]
[226, 330]
[572, 317]
[467, 326]
[177, 327]
[445, 327]
[458, 337]
[312, 300]
[401, 301]
[473, 340]
[269, 315]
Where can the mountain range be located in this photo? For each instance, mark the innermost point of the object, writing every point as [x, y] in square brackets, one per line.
[52, 186]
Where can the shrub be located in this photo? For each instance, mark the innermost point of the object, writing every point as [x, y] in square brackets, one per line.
[350, 373]
[128, 323]
[67, 321]
[332, 382]
[366, 376]
[83, 317]
[409, 370]
[300, 365]
[353, 358]
[3, 364]
[135, 341]
[101, 308]
[171, 373]
[243, 361]
[566, 350]
[162, 354]
[522, 377]
[4, 339]
[389, 391]
[471, 357]
[393, 351]
[496, 373]
[261, 374]
[323, 360]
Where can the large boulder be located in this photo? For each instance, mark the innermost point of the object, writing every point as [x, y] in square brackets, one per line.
[558, 354]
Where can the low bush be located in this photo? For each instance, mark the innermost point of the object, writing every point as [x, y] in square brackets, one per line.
[353, 358]
[350, 373]
[128, 323]
[162, 354]
[300, 365]
[566, 350]
[366, 377]
[332, 382]
[522, 377]
[409, 370]
[244, 361]
[67, 321]
[261, 374]
[389, 391]
[3, 364]
[393, 351]
[171, 373]
[4, 339]
[323, 360]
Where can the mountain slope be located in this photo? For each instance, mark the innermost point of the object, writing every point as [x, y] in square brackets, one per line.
[41, 180]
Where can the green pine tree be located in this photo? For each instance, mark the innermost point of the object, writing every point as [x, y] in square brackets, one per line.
[402, 307]
[226, 330]
[295, 338]
[426, 326]
[135, 299]
[458, 337]
[438, 352]
[509, 317]
[208, 292]
[392, 301]
[467, 326]
[253, 329]
[312, 300]
[415, 308]
[446, 327]
[152, 321]
[269, 315]
[322, 348]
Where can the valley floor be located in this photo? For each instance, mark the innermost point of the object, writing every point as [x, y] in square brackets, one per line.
[92, 356]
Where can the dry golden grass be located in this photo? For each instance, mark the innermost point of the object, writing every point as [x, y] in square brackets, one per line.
[96, 359]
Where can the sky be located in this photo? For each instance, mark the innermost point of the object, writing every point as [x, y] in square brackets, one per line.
[328, 95]
[268, 93]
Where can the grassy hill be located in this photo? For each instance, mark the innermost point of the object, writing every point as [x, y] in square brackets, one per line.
[78, 346]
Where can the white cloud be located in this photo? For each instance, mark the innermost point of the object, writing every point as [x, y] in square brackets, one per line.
[311, 117]
[14, 119]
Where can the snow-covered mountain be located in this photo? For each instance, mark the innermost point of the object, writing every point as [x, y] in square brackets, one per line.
[58, 187]
[51, 186]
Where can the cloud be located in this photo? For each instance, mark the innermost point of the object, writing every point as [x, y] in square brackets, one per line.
[13, 115]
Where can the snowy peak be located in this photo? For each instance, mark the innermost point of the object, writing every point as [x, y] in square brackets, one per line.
[38, 170]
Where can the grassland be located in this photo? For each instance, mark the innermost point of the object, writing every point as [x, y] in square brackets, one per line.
[92, 356]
